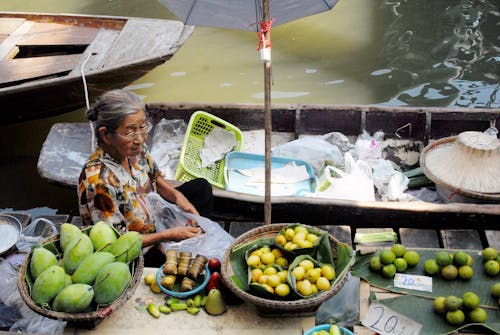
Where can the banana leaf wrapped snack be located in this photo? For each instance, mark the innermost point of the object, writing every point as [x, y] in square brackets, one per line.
[197, 266]
[170, 267]
[184, 263]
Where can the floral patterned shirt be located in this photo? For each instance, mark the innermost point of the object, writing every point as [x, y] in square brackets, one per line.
[107, 192]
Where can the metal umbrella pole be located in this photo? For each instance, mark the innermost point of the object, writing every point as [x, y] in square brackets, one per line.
[267, 124]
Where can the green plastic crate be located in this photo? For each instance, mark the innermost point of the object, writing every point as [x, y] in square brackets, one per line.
[189, 166]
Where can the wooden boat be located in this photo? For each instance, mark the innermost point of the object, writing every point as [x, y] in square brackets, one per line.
[407, 130]
[42, 57]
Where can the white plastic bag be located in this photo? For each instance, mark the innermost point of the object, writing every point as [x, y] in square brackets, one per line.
[36, 232]
[355, 183]
[390, 183]
[369, 147]
[213, 242]
[313, 150]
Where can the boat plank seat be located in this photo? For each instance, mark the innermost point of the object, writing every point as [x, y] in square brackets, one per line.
[493, 238]
[99, 51]
[465, 239]
[22, 69]
[58, 34]
[130, 45]
[419, 238]
[8, 48]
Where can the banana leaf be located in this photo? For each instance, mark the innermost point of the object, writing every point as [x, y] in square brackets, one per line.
[480, 283]
[291, 278]
[420, 309]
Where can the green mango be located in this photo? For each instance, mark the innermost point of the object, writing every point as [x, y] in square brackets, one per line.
[48, 284]
[41, 260]
[73, 298]
[102, 236]
[76, 252]
[67, 280]
[110, 283]
[89, 268]
[69, 233]
[127, 247]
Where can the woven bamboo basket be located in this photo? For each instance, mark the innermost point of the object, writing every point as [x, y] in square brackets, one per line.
[88, 320]
[282, 308]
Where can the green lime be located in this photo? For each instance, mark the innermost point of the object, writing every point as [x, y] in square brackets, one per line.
[443, 258]
[431, 267]
[453, 303]
[460, 258]
[387, 256]
[455, 317]
[465, 272]
[495, 290]
[389, 270]
[491, 267]
[478, 315]
[470, 260]
[449, 272]
[375, 264]
[470, 300]
[412, 258]
[398, 250]
[401, 264]
[439, 305]
[489, 253]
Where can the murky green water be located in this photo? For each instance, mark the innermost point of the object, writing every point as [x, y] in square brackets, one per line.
[414, 53]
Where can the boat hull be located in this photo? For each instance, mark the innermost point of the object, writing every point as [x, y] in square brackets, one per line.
[417, 126]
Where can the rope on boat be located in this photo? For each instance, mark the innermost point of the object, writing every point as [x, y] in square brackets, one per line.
[82, 71]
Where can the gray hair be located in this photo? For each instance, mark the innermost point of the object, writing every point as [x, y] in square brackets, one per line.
[111, 108]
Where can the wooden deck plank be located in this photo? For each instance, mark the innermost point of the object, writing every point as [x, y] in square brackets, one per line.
[99, 49]
[341, 233]
[58, 34]
[10, 43]
[9, 24]
[32, 68]
[419, 238]
[461, 239]
[493, 238]
[238, 228]
[131, 44]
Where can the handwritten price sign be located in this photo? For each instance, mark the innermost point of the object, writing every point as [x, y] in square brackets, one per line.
[383, 320]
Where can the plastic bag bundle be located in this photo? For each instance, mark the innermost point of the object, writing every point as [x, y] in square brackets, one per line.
[37, 231]
[355, 183]
[313, 150]
[167, 145]
[369, 147]
[213, 242]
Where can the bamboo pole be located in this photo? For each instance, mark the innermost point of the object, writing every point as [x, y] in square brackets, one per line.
[267, 126]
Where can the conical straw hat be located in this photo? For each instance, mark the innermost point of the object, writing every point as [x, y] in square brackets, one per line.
[468, 163]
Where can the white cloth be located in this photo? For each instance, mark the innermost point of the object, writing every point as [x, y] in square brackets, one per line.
[216, 145]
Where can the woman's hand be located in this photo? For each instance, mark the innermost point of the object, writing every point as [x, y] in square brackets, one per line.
[186, 206]
[180, 233]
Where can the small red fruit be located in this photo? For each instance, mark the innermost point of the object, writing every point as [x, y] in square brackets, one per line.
[214, 265]
[215, 281]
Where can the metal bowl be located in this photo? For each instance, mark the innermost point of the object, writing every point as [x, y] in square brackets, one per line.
[10, 231]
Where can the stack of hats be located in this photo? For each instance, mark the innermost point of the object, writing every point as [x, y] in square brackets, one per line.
[467, 164]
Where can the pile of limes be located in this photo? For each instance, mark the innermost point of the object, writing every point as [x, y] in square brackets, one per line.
[458, 309]
[450, 266]
[491, 261]
[395, 259]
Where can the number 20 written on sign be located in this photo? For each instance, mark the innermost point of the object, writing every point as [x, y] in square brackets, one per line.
[385, 321]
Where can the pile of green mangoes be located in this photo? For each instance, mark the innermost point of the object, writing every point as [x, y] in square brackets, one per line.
[88, 268]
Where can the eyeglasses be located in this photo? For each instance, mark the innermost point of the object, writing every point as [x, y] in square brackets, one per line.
[143, 131]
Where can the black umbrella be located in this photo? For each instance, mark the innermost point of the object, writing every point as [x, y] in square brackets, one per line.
[258, 16]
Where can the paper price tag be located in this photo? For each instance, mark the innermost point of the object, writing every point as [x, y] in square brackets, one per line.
[412, 282]
[384, 321]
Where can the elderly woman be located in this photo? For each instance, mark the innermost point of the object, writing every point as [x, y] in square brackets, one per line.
[121, 172]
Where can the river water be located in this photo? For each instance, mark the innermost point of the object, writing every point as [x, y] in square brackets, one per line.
[387, 52]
